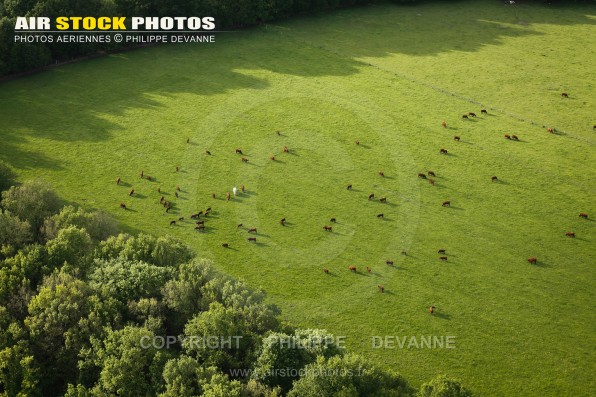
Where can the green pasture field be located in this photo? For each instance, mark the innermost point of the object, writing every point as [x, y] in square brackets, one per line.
[387, 76]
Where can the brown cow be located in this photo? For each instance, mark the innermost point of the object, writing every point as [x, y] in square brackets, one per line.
[178, 188]
[404, 253]
[565, 95]
[507, 136]
[286, 150]
[207, 152]
[371, 196]
[213, 195]
[352, 268]
[200, 222]
[431, 181]
[494, 178]
[282, 221]
[122, 205]
[514, 137]
[181, 218]
[444, 124]
[194, 216]
[200, 228]
[272, 158]
[118, 181]
[225, 245]
[187, 140]
[465, 117]
[368, 269]
[349, 187]
[357, 142]
[443, 151]
[532, 260]
[252, 230]
[431, 173]
[176, 194]
[172, 223]
[177, 168]
[443, 258]
[132, 191]
[240, 225]
[244, 160]
[150, 179]
[278, 133]
[142, 174]
[446, 203]
[570, 234]
[472, 114]
[381, 173]
[441, 251]
[583, 215]
[456, 138]
[431, 309]
[483, 111]
[421, 175]
[159, 190]
[228, 196]
[380, 216]
[242, 188]
[328, 228]
[162, 199]
[381, 288]
[389, 262]
[253, 239]
[333, 220]
[383, 199]
[551, 130]
[326, 271]
[238, 151]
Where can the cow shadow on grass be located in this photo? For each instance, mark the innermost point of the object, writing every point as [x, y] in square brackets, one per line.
[442, 316]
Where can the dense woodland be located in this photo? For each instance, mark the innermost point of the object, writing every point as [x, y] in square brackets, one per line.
[21, 57]
[81, 305]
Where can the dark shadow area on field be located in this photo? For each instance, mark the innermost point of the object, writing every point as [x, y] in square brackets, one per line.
[69, 103]
[388, 292]
[442, 316]
[542, 264]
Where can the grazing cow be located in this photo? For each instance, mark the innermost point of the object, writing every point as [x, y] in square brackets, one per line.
[208, 152]
[381, 173]
[228, 196]
[381, 288]
[278, 133]
[122, 205]
[431, 173]
[242, 188]
[443, 258]
[570, 234]
[483, 111]
[253, 239]
[178, 188]
[368, 269]
[472, 114]
[583, 215]
[159, 190]
[200, 222]
[333, 220]
[380, 216]
[352, 268]
[328, 228]
[286, 150]
[240, 225]
[181, 218]
[244, 160]
[234, 191]
[118, 181]
[326, 271]
[594, 127]
[282, 221]
[162, 199]
[176, 194]
[238, 151]
[142, 174]
[272, 158]
[172, 223]
[213, 195]
[208, 209]
[252, 230]
[168, 209]
[456, 138]
[514, 137]
[225, 245]
[431, 310]
[357, 142]
[507, 136]
[187, 140]
[446, 203]
[443, 151]
[389, 262]
[149, 178]
[349, 187]
[404, 253]
[200, 228]
[177, 168]
[194, 216]
[551, 130]
[132, 191]
[565, 95]
[465, 117]
[441, 251]
[383, 199]
[444, 124]
[431, 181]
[371, 196]
[494, 178]
[532, 260]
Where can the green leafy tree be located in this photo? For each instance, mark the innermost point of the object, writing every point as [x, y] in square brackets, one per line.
[7, 175]
[98, 224]
[32, 201]
[72, 246]
[181, 376]
[19, 375]
[348, 375]
[442, 386]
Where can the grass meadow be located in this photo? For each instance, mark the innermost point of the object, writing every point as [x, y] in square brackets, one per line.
[387, 76]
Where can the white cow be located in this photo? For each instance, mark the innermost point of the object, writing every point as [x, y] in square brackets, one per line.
[234, 190]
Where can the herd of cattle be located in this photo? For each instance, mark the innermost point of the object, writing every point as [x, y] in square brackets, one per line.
[428, 176]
